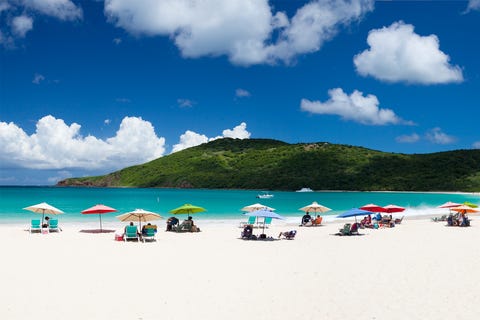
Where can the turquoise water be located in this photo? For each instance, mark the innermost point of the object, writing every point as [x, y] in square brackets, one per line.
[220, 204]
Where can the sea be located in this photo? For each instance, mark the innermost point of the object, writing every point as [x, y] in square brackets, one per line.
[222, 206]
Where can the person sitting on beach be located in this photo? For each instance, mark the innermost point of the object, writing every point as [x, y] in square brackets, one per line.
[317, 221]
[247, 231]
[306, 219]
[148, 226]
[450, 220]
[46, 224]
[171, 222]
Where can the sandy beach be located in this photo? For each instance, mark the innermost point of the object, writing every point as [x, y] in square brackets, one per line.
[417, 270]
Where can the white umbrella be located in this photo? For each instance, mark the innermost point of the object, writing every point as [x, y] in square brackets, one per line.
[139, 215]
[256, 206]
[44, 208]
[315, 207]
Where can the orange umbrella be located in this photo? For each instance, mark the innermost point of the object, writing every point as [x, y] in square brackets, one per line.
[465, 209]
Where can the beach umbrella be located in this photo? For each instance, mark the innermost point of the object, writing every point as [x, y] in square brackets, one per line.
[256, 206]
[139, 215]
[354, 212]
[471, 205]
[43, 208]
[264, 213]
[187, 209]
[99, 209]
[464, 209]
[373, 208]
[391, 208]
[315, 207]
[449, 204]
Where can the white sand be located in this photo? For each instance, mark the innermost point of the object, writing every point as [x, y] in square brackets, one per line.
[418, 270]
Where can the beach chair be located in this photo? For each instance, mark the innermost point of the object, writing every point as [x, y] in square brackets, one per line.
[149, 235]
[354, 229]
[345, 231]
[131, 233]
[35, 226]
[289, 235]
[251, 221]
[185, 226]
[53, 226]
[398, 221]
[265, 223]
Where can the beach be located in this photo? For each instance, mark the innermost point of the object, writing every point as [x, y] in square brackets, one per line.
[417, 270]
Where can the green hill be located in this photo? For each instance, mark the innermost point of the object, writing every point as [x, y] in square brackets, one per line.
[276, 165]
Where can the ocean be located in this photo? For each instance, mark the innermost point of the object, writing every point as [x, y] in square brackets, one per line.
[221, 205]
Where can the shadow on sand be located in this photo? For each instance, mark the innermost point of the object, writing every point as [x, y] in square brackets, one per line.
[97, 231]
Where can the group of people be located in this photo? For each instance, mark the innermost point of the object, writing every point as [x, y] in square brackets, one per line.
[144, 231]
[458, 220]
[307, 220]
[173, 224]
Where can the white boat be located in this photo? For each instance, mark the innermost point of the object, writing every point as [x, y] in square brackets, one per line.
[305, 190]
[265, 195]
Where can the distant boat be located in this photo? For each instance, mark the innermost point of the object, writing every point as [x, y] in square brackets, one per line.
[265, 195]
[305, 190]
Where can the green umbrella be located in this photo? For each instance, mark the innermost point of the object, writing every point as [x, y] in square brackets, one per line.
[471, 205]
[187, 209]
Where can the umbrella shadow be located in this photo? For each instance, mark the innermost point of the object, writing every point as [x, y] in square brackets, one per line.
[97, 231]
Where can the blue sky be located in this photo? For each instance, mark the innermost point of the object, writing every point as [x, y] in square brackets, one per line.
[89, 87]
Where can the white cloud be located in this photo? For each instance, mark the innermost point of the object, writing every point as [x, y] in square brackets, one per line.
[473, 5]
[398, 54]
[241, 93]
[61, 9]
[436, 136]
[56, 145]
[38, 78]
[185, 103]
[354, 107]
[117, 41]
[191, 139]
[412, 138]
[476, 145]
[107, 121]
[243, 30]
[21, 25]
[18, 15]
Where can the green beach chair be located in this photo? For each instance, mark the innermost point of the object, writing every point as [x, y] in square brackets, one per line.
[251, 220]
[35, 226]
[53, 225]
[345, 231]
[131, 233]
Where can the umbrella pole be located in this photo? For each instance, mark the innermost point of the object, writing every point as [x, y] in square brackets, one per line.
[43, 216]
[100, 216]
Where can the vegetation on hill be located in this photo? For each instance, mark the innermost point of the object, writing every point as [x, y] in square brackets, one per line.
[275, 165]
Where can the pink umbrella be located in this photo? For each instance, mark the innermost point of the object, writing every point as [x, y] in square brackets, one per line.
[373, 208]
[391, 208]
[450, 204]
[99, 209]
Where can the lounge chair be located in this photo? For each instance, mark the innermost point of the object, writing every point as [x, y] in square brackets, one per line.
[251, 221]
[317, 221]
[185, 226]
[149, 235]
[131, 233]
[354, 229]
[53, 226]
[265, 223]
[289, 235]
[442, 218]
[35, 226]
[399, 221]
[345, 231]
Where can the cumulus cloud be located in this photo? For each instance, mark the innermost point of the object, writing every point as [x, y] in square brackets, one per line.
[411, 138]
[247, 31]
[21, 25]
[38, 78]
[242, 93]
[56, 145]
[19, 16]
[191, 139]
[476, 145]
[436, 136]
[355, 107]
[398, 54]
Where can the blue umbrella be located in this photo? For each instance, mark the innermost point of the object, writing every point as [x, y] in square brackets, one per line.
[354, 212]
[264, 213]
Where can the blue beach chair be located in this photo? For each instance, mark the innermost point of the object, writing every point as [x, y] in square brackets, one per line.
[131, 233]
[35, 226]
[53, 226]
